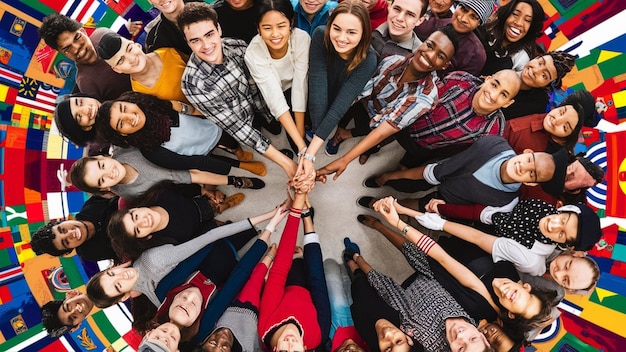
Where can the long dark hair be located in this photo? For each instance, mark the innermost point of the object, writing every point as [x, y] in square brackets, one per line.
[124, 244]
[496, 30]
[156, 129]
[282, 6]
[517, 327]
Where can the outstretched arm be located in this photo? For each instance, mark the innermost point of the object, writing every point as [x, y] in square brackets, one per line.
[372, 139]
[387, 207]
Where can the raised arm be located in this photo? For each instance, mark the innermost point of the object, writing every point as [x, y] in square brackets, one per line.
[388, 208]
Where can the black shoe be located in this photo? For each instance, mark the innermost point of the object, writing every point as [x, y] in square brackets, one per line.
[366, 202]
[274, 127]
[370, 182]
[288, 153]
[361, 218]
[248, 182]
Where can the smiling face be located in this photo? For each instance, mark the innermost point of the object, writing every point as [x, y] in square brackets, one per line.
[77, 47]
[240, 5]
[516, 298]
[539, 72]
[561, 121]
[69, 234]
[433, 54]
[221, 340]
[290, 340]
[560, 228]
[141, 222]
[440, 6]
[463, 336]
[186, 307]
[496, 92]
[205, 40]
[496, 337]
[75, 308]
[464, 19]
[577, 177]
[345, 33]
[403, 17]
[274, 29]
[312, 7]
[126, 118]
[573, 273]
[168, 7]
[129, 59]
[166, 334]
[528, 168]
[391, 338]
[104, 173]
[84, 111]
[517, 24]
[119, 280]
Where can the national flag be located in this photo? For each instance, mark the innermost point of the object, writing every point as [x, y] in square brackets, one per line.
[616, 174]
[119, 6]
[56, 5]
[36, 95]
[81, 11]
[12, 78]
[8, 94]
[11, 274]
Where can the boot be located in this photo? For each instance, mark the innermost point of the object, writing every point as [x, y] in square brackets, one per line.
[256, 167]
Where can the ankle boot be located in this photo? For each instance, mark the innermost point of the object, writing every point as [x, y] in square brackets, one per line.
[256, 167]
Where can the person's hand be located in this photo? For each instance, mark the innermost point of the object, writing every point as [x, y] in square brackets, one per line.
[214, 195]
[306, 169]
[431, 221]
[433, 204]
[337, 167]
[133, 27]
[486, 215]
[387, 209]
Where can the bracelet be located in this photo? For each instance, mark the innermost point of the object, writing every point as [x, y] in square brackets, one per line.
[183, 108]
[405, 229]
[309, 157]
[398, 223]
[270, 228]
[269, 255]
[301, 153]
[425, 243]
[306, 213]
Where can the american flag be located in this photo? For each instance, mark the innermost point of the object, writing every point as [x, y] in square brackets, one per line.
[36, 95]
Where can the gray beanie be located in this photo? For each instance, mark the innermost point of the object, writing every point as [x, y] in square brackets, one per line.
[483, 8]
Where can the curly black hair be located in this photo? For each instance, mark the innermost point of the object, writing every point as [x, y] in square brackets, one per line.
[55, 24]
[156, 130]
[50, 319]
[41, 240]
[496, 27]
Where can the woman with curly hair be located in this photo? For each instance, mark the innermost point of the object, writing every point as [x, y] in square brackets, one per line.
[168, 138]
[510, 35]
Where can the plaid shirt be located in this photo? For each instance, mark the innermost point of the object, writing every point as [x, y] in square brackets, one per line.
[453, 121]
[398, 104]
[227, 95]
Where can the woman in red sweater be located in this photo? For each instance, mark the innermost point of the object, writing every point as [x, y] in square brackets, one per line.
[294, 314]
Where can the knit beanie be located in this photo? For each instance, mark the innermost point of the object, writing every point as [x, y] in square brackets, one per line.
[205, 285]
[555, 185]
[588, 104]
[483, 8]
[563, 62]
[152, 346]
[68, 127]
[109, 45]
[589, 231]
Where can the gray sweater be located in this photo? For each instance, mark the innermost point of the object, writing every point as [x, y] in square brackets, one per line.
[155, 263]
[149, 174]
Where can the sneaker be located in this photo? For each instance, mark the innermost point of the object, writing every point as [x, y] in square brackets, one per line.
[351, 245]
[308, 135]
[332, 149]
[370, 182]
[366, 201]
[248, 182]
